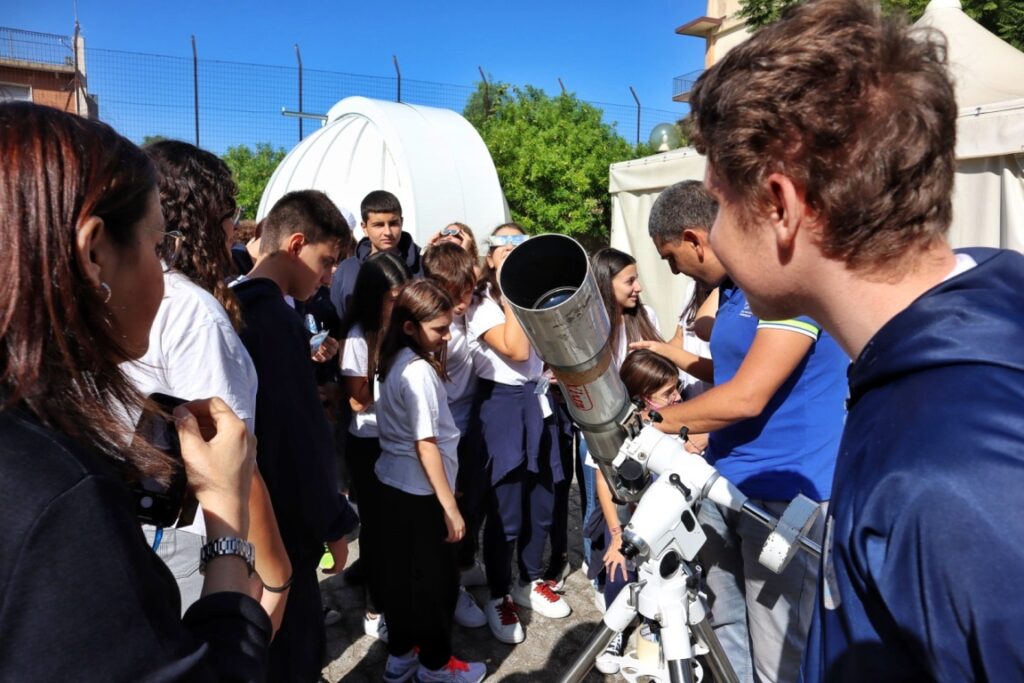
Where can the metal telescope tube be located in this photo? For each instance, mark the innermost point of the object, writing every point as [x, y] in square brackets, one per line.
[548, 284]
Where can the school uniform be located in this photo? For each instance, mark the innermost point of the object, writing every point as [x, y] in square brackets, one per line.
[362, 448]
[519, 449]
[419, 567]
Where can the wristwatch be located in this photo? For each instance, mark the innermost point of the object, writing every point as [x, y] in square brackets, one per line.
[227, 546]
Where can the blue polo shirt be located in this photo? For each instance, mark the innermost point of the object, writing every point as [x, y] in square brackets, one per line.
[791, 446]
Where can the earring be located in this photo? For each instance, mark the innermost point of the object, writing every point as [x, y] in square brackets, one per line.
[106, 292]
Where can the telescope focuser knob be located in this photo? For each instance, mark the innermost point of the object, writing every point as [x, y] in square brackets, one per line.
[628, 550]
[632, 476]
[655, 417]
[684, 433]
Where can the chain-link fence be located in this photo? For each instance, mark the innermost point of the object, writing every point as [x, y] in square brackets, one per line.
[222, 104]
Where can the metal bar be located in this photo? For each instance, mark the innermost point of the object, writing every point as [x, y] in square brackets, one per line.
[195, 85]
[637, 100]
[767, 519]
[584, 661]
[302, 115]
[715, 660]
[298, 58]
[680, 671]
[487, 93]
[398, 71]
[561, 85]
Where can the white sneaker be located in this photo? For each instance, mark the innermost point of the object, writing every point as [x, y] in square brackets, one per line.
[455, 671]
[599, 601]
[467, 613]
[503, 618]
[608, 661]
[474, 576]
[401, 669]
[376, 627]
[538, 596]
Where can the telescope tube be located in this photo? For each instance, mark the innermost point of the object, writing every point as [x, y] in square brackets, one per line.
[549, 286]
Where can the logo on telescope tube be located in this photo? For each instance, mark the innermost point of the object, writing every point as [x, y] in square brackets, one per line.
[580, 397]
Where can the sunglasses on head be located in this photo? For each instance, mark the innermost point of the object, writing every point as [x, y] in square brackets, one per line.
[506, 240]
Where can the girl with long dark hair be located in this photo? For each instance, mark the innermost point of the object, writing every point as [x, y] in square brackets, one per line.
[82, 282]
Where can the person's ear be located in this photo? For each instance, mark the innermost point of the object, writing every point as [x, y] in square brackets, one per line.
[787, 212]
[91, 248]
[294, 244]
[695, 240]
[409, 328]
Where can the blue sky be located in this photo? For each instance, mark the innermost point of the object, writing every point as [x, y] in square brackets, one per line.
[598, 48]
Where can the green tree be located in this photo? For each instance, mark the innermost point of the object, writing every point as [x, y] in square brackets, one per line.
[1005, 18]
[552, 156]
[149, 139]
[252, 169]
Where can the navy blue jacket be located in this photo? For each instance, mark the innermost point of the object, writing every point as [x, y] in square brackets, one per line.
[344, 281]
[924, 575]
[295, 447]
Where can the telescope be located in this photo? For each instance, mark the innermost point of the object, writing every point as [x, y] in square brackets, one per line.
[548, 283]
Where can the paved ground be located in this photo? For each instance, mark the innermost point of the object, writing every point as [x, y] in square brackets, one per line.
[551, 644]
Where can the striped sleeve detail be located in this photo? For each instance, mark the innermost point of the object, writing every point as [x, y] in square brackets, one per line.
[799, 325]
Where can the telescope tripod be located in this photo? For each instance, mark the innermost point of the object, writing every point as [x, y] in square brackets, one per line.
[667, 591]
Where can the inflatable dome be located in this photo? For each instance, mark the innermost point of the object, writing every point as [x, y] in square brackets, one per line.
[432, 159]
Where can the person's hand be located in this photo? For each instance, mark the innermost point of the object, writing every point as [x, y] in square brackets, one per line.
[434, 239]
[456, 526]
[614, 559]
[328, 349]
[697, 443]
[219, 455]
[660, 348]
[339, 551]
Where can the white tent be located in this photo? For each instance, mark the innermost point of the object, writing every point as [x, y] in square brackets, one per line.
[988, 199]
[432, 159]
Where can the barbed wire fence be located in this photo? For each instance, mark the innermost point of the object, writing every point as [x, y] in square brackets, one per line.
[241, 103]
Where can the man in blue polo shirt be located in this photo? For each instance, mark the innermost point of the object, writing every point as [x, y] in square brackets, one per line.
[775, 416]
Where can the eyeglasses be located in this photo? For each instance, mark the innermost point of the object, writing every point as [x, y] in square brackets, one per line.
[452, 232]
[496, 241]
[237, 217]
[170, 247]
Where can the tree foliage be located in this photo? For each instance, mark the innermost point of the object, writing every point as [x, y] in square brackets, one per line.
[552, 156]
[1005, 18]
[252, 169]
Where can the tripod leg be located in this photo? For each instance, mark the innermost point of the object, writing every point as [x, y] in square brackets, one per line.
[680, 671]
[717, 663]
[585, 660]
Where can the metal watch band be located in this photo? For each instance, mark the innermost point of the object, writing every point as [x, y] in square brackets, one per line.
[227, 546]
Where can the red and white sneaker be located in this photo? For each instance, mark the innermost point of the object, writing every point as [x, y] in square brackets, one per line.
[503, 618]
[539, 596]
[455, 671]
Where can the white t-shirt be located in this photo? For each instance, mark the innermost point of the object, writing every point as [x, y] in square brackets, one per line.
[413, 407]
[194, 352]
[622, 345]
[484, 314]
[461, 378]
[354, 363]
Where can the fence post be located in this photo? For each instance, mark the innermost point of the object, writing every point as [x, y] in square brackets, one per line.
[398, 95]
[561, 85]
[637, 100]
[298, 58]
[487, 93]
[195, 85]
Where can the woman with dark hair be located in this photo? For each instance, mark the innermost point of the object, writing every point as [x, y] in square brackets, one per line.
[376, 287]
[194, 348]
[81, 224]
[619, 284]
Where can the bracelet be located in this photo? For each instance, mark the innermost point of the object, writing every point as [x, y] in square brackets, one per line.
[278, 589]
[230, 545]
[615, 530]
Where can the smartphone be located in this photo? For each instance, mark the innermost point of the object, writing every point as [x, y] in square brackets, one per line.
[163, 506]
[317, 340]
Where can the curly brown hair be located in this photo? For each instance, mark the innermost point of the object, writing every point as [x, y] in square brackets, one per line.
[197, 194]
[855, 108]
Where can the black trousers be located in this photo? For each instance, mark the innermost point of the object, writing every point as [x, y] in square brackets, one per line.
[362, 455]
[422, 582]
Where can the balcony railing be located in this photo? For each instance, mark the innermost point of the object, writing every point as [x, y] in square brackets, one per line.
[682, 85]
[32, 48]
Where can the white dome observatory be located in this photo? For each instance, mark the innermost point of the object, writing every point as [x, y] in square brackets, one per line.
[432, 159]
